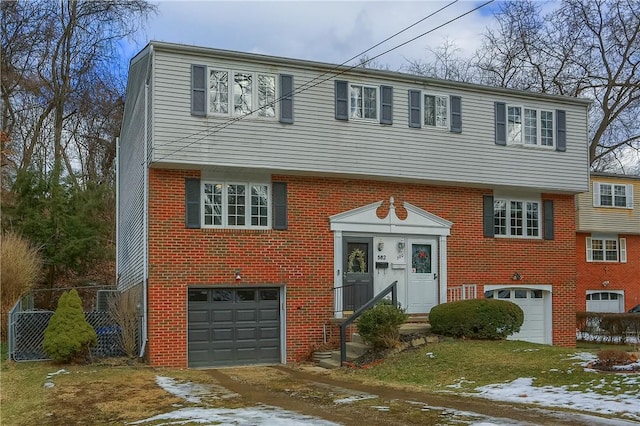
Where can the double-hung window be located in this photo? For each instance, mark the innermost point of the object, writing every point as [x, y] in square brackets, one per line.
[606, 249]
[530, 127]
[242, 93]
[436, 110]
[516, 218]
[363, 102]
[612, 195]
[236, 205]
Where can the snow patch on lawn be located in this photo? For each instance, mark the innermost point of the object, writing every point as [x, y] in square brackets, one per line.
[193, 392]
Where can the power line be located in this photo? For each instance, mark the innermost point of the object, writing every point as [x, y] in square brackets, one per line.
[306, 86]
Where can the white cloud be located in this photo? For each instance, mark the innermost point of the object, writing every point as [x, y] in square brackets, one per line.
[326, 31]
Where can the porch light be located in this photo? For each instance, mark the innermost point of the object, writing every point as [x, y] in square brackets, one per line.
[237, 274]
[516, 276]
[380, 245]
[400, 245]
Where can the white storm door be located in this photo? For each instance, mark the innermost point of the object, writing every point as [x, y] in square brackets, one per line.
[422, 280]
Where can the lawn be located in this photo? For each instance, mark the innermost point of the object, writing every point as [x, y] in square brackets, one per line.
[110, 392]
[464, 365]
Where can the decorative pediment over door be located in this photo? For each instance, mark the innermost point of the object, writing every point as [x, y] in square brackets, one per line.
[365, 219]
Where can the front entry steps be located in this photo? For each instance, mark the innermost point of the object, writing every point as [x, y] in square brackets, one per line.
[416, 332]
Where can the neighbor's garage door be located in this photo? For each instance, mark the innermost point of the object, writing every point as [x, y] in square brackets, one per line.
[233, 326]
[532, 304]
[604, 301]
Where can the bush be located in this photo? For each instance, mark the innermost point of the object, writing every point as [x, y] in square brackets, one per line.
[608, 327]
[68, 336]
[20, 264]
[380, 325]
[611, 357]
[489, 319]
[123, 308]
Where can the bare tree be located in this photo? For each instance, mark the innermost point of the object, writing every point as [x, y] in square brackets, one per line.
[445, 61]
[583, 48]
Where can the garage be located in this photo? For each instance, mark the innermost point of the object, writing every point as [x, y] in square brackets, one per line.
[605, 301]
[233, 326]
[536, 305]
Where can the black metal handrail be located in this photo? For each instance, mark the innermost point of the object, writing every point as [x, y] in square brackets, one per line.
[392, 288]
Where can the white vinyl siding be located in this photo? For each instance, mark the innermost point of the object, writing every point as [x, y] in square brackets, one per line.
[317, 144]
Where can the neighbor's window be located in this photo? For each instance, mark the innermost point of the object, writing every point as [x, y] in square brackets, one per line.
[515, 218]
[612, 195]
[606, 249]
[243, 205]
[242, 93]
[363, 101]
[529, 126]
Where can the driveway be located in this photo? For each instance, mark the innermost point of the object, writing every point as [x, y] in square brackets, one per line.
[323, 399]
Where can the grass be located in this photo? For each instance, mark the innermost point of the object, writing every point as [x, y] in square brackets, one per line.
[118, 394]
[470, 364]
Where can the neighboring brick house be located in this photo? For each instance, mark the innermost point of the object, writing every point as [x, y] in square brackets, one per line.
[608, 244]
[261, 197]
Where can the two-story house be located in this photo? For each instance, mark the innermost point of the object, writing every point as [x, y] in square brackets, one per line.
[260, 197]
[608, 244]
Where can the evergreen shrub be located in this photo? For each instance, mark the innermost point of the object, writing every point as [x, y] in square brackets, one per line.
[68, 336]
[380, 325]
[488, 319]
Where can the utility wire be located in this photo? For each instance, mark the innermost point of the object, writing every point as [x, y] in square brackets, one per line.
[306, 86]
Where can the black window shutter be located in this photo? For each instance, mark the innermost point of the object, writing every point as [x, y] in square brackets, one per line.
[456, 114]
[192, 203]
[342, 100]
[279, 205]
[487, 216]
[286, 98]
[548, 219]
[501, 123]
[198, 90]
[386, 105]
[414, 109]
[561, 130]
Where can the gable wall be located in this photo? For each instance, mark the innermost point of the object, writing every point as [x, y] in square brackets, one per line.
[302, 256]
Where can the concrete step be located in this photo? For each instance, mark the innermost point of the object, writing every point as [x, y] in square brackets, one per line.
[412, 328]
[330, 363]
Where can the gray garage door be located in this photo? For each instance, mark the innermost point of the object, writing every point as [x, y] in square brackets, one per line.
[233, 326]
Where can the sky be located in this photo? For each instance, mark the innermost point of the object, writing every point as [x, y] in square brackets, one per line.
[324, 31]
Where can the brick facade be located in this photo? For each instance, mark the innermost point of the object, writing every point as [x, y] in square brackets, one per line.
[301, 257]
[620, 276]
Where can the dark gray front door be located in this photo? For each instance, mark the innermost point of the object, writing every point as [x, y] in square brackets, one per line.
[357, 277]
[233, 326]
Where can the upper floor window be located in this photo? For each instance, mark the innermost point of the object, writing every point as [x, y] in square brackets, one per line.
[612, 195]
[516, 218]
[436, 110]
[606, 249]
[242, 205]
[528, 126]
[363, 101]
[242, 93]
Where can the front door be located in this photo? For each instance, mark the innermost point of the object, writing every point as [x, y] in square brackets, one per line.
[357, 276]
[422, 280]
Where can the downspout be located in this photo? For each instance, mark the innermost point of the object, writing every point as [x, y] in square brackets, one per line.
[145, 211]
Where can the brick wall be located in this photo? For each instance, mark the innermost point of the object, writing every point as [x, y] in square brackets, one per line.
[621, 276]
[302, 256]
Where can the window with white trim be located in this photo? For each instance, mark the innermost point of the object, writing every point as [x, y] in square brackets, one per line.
[236, 205]
[436, 110]
[516, 218]
[530, 127]
[606, 249]
[242, 93]
[612, 195]
[363, 102]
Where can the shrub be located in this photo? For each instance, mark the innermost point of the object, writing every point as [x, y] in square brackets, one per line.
[123, 308]
[489, 319]
[20, 264]
[611, 357]
[380, 325]
[68, 336]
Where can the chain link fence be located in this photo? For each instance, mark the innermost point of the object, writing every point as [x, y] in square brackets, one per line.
[26, 326]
